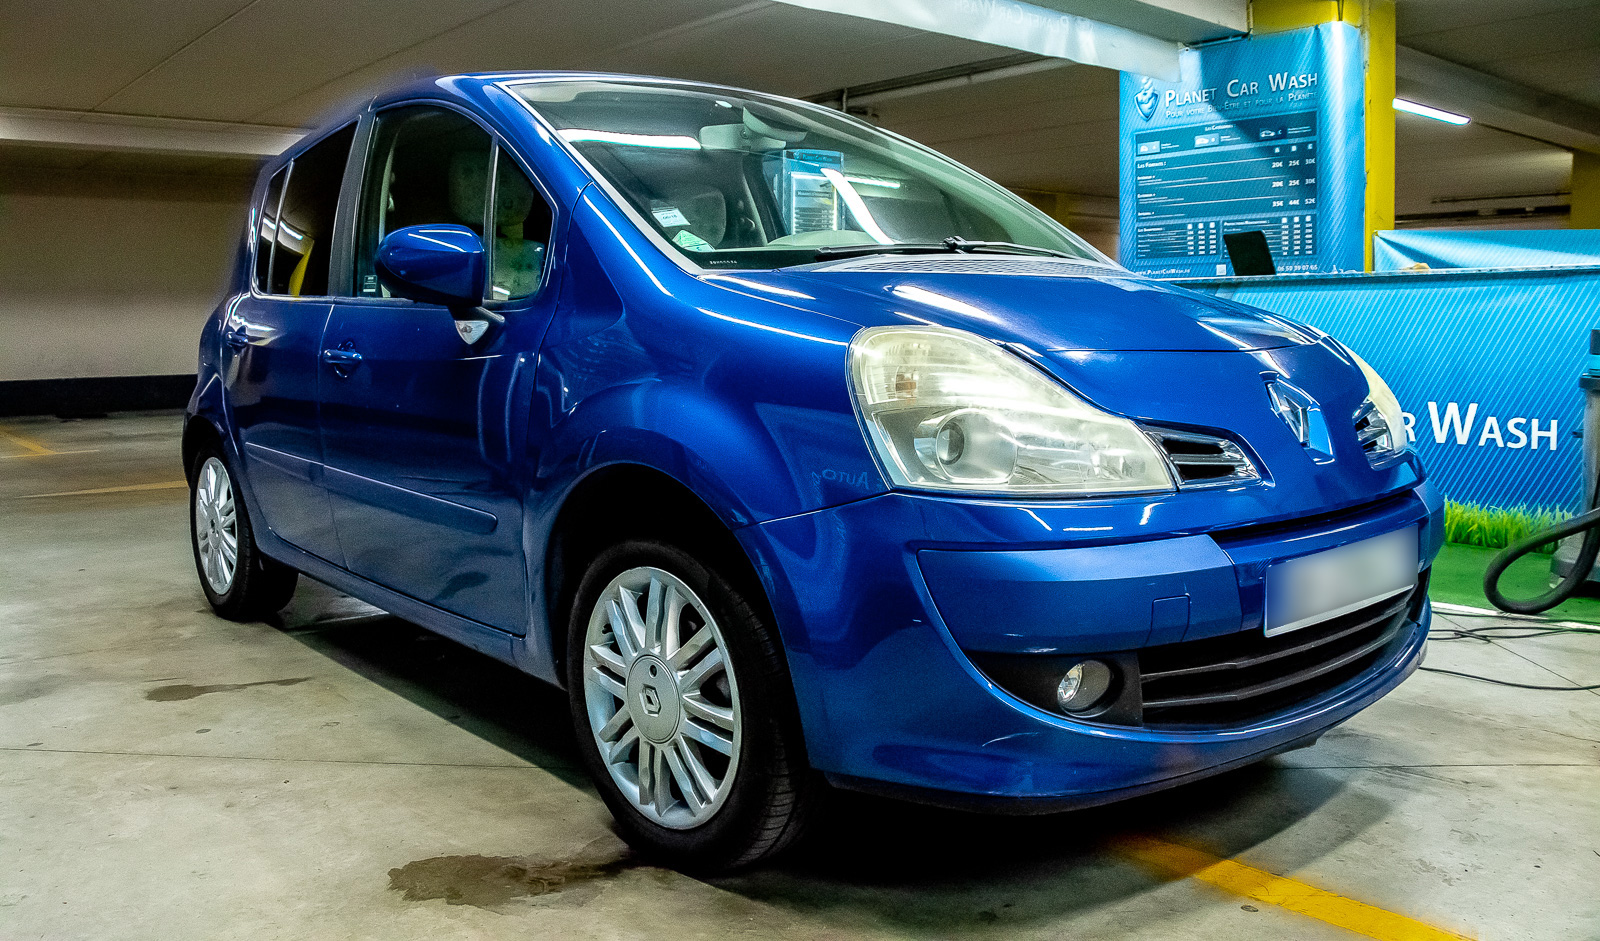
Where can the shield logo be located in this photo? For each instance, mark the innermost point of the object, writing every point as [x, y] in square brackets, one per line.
[1146, 99]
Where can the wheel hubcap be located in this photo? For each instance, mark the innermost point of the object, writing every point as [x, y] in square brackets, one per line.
[661, 698]
[216, 527]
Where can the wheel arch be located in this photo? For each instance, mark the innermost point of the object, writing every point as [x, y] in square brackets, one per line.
[198, 431]
[629, 500]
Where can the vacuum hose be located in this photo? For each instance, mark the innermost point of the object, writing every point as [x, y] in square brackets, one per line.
[1586, 523]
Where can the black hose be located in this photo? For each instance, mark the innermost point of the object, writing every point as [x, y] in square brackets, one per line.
[1586, 523]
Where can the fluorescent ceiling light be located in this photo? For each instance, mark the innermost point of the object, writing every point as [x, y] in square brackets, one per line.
[662, 141]
[1411, 107]
[873, 181]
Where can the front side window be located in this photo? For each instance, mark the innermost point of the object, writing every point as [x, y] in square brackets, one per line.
[734, 179]
[303, 243]
[431, 166]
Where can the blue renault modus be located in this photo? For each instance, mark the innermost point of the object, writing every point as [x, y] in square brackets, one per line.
[798, 454]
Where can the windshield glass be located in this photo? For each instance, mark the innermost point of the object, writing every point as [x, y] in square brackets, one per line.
[737, 180]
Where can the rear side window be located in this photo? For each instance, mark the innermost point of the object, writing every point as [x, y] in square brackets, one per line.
[430, 166]
[303, 246]
[267, 230]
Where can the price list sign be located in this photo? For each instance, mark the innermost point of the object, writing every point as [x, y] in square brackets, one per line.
[1248, 149]
[1259, 174]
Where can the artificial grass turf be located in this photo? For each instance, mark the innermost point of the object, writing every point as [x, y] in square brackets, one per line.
[1458, 579]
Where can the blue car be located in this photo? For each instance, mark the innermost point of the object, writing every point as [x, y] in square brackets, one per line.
[799, 455]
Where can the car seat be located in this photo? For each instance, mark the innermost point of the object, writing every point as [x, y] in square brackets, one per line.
[518, 261]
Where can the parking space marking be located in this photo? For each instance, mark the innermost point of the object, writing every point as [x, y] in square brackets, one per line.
[130, 488]
[18, 457]
[33, 447]
[1249, 882]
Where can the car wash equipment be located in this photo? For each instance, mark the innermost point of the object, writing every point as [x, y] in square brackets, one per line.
[1573, 564]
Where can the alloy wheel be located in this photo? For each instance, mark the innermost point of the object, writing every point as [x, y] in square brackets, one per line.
[662, 700]
[216, 525]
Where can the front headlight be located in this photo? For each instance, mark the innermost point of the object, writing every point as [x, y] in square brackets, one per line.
[948, 410]
[1393, 438]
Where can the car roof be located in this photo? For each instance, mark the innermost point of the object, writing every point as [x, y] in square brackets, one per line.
[466, 86]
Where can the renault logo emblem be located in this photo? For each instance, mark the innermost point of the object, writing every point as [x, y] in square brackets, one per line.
[1293, 406]
[1302, 414]
[651, 700]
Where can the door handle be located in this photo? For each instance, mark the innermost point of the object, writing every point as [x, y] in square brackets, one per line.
[344, 360]
[237, 339]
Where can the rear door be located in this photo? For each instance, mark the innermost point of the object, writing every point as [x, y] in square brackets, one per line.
[272, 340]
[418, 419]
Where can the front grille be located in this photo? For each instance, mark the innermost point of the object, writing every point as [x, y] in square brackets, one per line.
[1241, 677]
[1203, 460]
[1219, 682]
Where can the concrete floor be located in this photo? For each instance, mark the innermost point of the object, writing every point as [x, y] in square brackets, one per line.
[166, 774]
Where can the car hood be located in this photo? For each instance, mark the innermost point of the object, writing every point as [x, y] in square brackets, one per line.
[1046, 304]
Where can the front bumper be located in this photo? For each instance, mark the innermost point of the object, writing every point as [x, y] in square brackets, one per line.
[883, 604]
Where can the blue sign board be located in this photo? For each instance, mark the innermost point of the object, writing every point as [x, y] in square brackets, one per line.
[1485, 364]
[1261, 134]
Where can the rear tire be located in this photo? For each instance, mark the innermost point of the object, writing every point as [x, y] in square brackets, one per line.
[240, 583]
[682, 683]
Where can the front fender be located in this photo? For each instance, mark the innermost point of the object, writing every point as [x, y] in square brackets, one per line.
[749, 461]
[743, 400]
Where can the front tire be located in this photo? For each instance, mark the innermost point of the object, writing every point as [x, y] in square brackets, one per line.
[240, 583]
[684, 711]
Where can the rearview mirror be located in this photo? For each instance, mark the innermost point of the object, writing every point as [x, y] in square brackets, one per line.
[434, 264]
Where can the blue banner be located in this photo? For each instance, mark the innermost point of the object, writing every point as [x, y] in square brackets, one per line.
[1485, 365]
[1261, 134]
[1507, 248]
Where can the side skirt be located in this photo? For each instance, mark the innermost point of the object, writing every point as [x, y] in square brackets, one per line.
[507, 648]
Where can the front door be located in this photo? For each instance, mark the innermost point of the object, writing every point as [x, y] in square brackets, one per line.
[271, 343]
[417, 416]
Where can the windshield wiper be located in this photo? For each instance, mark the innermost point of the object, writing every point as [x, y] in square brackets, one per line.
[895, 248]
[954, 244]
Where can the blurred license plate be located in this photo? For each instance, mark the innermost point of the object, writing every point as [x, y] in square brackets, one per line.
[1313, 588]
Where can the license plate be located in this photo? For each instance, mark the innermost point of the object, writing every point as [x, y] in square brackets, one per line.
[1324, 585]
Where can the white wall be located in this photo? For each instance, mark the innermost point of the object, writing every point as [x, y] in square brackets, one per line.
[113, 273]
[107, 274]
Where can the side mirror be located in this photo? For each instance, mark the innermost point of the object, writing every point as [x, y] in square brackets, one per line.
[435, 264]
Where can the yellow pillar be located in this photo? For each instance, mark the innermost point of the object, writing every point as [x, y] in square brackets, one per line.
[1275, 16]
[1585, 191]
[1379, 32]
[1376, 20]
[1058, 206]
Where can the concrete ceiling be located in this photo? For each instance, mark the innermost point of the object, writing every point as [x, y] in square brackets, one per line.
[1552, 46]
[284, 63]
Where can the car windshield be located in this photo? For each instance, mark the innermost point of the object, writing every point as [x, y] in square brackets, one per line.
[737, 180]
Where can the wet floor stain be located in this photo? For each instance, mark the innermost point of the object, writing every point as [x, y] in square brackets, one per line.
[35, 688]
[181, 691]
[493, 881]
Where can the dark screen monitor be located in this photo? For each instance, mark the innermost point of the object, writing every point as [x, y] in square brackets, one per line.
[1249, 253]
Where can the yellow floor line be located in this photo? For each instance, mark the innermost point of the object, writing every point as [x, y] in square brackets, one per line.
[1248, 882]
[27, 444]
[19, 457]
[130, 488]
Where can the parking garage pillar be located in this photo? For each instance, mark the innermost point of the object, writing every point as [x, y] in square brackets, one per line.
[1376, 20]
[1585, 190]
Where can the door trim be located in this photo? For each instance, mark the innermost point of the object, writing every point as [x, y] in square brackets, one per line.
[421, 506]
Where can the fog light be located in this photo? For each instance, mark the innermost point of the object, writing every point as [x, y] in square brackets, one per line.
[1083, 686]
